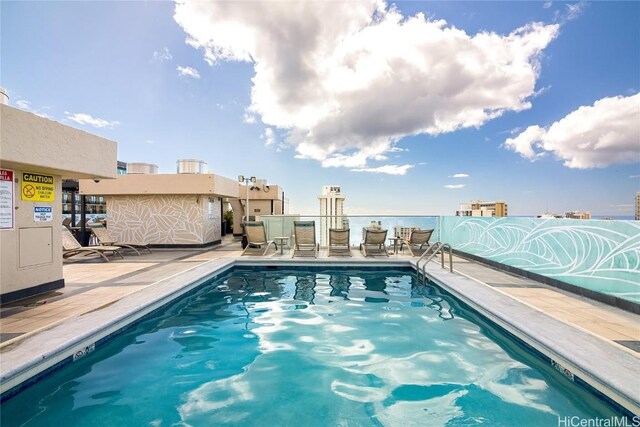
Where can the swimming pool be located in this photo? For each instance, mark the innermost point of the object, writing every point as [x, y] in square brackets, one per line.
[289, 346]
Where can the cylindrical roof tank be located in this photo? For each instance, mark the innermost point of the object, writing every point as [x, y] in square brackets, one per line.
[142, 168]
[4, 98]
[192, 166]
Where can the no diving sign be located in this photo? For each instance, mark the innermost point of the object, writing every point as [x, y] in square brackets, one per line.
[37, 188]
[42, 214]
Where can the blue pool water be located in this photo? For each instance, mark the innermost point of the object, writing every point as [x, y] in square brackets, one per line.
[291, 347]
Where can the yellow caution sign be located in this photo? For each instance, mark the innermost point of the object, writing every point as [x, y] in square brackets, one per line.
[37, 187]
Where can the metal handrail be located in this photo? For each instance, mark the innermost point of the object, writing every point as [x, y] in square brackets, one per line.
[429, 254]
[442, 248]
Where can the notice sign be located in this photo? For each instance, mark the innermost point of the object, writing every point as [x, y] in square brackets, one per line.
[42, 213]
[6, 199]
[37, 188]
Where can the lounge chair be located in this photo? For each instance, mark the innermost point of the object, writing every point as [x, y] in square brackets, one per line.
[71, 247]
[339, 243]
[373, 243]
[257, 243]
[105, 238]
[417, 238]
[305, 239]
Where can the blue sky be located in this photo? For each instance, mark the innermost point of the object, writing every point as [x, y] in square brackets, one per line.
[378, 98]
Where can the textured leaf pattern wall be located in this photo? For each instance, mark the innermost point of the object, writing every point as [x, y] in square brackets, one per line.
[600, 255]
[163, 219]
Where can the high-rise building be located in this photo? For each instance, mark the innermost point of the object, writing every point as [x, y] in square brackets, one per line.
[331, 211]
[637, 206]
[482, 208]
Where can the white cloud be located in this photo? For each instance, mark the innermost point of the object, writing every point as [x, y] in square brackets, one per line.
[574, 10]
[188, 71]
[460, 175]
[86, 119]
[269, 137]
[397, 150]
[454, 186]
[547, 4]
[570, 12]
[523, 143]
[271, 140]
[249, 118]
[350, 79]
[162, 54]
[43, 115]
[634, 176]
[23, 104]
[388, 169]
[594, 136]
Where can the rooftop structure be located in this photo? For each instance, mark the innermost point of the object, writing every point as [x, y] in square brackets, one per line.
[263, 198]
[37, 154]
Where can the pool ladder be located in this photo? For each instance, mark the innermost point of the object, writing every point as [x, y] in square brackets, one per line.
[429, 254]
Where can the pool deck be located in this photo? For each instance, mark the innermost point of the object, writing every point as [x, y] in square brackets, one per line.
[92, 286]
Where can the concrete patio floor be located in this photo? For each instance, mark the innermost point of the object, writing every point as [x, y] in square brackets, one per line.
[92, 284]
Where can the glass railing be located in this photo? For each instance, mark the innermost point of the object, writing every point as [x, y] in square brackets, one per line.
[600, 255]
[282, 225]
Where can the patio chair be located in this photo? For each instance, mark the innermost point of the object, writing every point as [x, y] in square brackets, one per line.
[339, 243]
[71, 247]
[105, 238]
[257, 243]
[373, 243]
[417, 239]
[305, 239]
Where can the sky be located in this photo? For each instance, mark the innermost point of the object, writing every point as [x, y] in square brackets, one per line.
[410, 107]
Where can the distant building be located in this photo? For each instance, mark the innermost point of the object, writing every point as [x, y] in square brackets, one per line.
[577, 215]
[637, 206]
[570, 215]
[331, 211]
[482, 208]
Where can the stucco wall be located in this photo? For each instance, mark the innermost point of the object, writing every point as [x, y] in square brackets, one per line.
[132, 184]
[13, 277]
[164, 219]
[35, 143]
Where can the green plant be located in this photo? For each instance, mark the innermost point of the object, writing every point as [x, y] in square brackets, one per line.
[228, 216]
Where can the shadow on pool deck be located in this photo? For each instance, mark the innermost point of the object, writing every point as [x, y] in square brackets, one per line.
[91, 284]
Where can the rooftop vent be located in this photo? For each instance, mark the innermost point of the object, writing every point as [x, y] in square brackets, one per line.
[192, 166]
